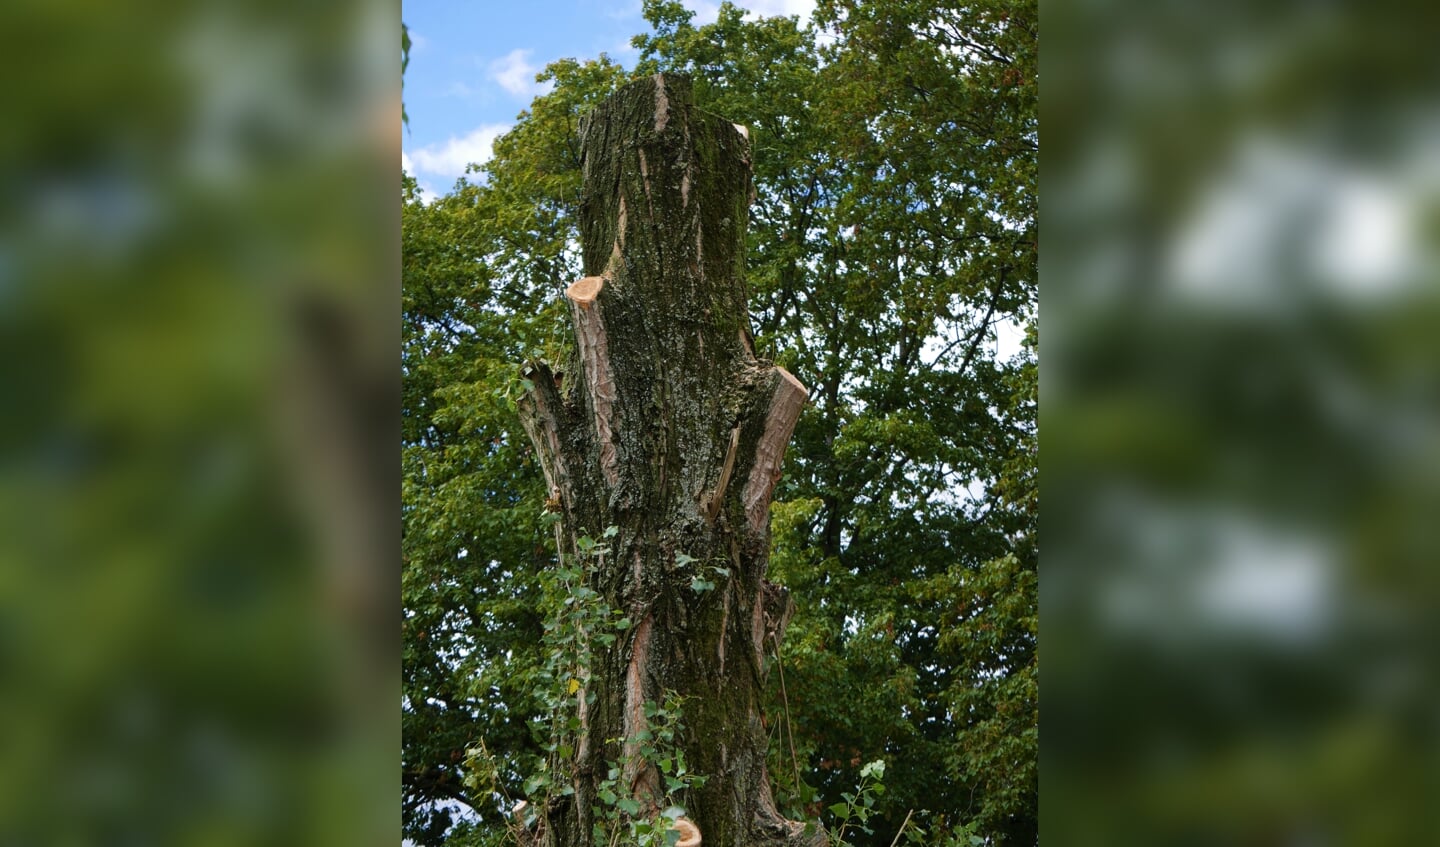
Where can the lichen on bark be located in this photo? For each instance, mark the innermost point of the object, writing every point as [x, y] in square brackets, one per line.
[670, 430]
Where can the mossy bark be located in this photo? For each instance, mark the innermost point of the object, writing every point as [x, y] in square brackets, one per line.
[666, 426]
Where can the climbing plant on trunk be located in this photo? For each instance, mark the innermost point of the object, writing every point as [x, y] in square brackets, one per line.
[665, 426]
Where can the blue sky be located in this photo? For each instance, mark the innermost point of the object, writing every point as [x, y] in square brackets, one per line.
[473, 65]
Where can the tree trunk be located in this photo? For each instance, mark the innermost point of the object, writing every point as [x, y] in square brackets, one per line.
[668, 428]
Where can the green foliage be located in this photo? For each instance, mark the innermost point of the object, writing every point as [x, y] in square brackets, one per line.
[621, 818]
[855, 808]
[698, 581]
[893, 235]
[578, 621]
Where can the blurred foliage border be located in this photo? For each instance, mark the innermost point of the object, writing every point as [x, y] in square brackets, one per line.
[1239, 405]
[199, 261]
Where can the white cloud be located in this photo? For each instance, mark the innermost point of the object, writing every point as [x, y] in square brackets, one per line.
[706, 11]
[427, 192]
[516, 75]
[449, 159]
[770, 8]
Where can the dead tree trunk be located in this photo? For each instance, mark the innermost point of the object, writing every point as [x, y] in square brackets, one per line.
[668, 428]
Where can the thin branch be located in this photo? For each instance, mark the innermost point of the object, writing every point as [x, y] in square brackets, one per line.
[978, 335]
[903, 824]
[784, 698]
[985, 321]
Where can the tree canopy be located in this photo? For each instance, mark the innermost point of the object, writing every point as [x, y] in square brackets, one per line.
[892, 243]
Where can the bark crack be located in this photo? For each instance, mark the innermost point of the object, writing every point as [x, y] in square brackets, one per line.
[638, 773]
[620, 223]
[724, 627]
[662, 104]
[645, 180]
[717, 497]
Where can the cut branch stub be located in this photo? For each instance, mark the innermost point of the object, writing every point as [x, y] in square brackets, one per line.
[584, 290]
[594, 353]
[786, 400]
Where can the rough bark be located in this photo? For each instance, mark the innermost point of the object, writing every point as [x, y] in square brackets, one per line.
[668, 428]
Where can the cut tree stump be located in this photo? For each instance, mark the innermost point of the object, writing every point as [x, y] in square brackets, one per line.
[670, 430]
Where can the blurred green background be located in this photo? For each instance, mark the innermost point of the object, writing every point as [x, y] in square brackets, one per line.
[1239, 394]
[199, 318]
